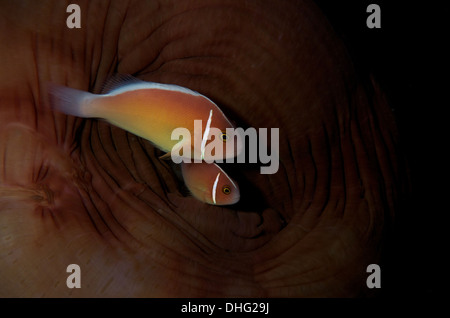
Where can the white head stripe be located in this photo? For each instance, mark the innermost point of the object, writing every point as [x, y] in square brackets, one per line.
[229, 179]
[206, 133]
[214, 189]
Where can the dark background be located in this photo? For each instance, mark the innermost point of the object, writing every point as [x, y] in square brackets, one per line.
[402, 56]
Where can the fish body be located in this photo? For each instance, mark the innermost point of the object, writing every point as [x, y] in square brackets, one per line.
[209, 183]
[151, 111]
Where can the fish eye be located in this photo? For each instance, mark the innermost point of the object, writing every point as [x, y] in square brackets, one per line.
[226, 190]
[224, 137]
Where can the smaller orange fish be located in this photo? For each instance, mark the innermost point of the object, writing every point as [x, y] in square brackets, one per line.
[209, 183]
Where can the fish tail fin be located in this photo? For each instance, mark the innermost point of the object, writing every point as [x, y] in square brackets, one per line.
[69, 101]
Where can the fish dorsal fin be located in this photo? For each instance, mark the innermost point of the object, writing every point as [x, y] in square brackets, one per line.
[117, 81]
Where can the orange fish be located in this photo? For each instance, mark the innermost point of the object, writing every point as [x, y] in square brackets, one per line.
[152, 111]
[209, 183]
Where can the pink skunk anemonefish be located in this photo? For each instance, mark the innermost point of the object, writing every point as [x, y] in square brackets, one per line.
[151, 111]
[209, 183]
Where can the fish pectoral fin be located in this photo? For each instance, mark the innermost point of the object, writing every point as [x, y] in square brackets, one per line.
[177, 151]
[166, 156]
